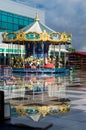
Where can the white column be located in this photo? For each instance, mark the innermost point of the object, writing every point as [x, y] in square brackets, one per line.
[59, 55]
[54, 50]
[5, 58]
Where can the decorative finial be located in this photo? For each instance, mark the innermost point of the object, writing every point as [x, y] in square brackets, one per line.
[36, 18]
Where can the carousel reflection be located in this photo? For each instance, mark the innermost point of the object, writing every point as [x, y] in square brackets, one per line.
[42, 96]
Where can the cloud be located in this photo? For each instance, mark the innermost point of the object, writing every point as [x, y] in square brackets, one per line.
[64, 15]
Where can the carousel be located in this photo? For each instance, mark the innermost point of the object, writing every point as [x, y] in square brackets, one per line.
[37, 97]
[36, 39]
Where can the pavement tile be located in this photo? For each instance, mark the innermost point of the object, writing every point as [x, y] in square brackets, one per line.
[77, 117]
[55, 128]
[79, 126]
[81, 107]
[60, 122]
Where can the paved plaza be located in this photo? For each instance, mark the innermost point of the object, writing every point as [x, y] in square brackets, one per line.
[76, 118]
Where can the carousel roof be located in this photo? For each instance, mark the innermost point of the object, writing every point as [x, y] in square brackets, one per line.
[37, 26]
[37, 31]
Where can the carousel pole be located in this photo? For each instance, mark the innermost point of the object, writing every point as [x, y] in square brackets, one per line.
[12, 58]
[43, 56]
[21, 49]
[43, 52]
[59, 55]
[15, 51]
[45, 61]
[54, 50]
[34, 48]
[18, 54]
[23, 55]
[65, 58]
[10, 54]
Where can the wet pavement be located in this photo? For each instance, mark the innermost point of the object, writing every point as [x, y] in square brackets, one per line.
[73, 87]
[76, 118]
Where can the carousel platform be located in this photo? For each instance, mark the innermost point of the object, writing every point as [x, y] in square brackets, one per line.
[40, 70]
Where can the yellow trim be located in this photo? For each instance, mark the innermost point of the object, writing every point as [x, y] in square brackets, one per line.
[64, 37]
[44, 36]
[20, 36]
[44, 110]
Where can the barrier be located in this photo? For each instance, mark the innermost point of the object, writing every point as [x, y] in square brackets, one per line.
[1, 107]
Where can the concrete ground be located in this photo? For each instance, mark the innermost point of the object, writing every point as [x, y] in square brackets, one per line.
[73, 120]
[76, 118]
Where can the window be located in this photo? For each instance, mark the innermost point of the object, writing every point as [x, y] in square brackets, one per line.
[4, 25]
[20, 26]
[15, 20]
[21, 21]
[4, 13]
[0, 17]
[15, 27]
[31, 20]
[4, 18]
[10, 19]
[20, 17]
[0, 24]
[25, 19]
[9, 14]
[26, 22]
[10, 26]
[16, 16]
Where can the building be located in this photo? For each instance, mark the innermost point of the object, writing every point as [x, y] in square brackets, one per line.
[77, 60]
[13, 17]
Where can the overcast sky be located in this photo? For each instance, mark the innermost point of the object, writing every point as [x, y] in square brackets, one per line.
[64, 16]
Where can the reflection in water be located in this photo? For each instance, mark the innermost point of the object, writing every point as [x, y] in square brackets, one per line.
[37, 95]
[57, 88]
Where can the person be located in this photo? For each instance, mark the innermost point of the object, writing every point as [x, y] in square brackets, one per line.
[71, 70]
[38, 65]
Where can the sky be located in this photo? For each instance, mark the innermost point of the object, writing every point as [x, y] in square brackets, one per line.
[64, 16]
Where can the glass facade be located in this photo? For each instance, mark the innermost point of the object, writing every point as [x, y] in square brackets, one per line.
[12, 22]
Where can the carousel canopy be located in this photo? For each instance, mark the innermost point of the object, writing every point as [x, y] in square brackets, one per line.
[37, 31]
[37, 27]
